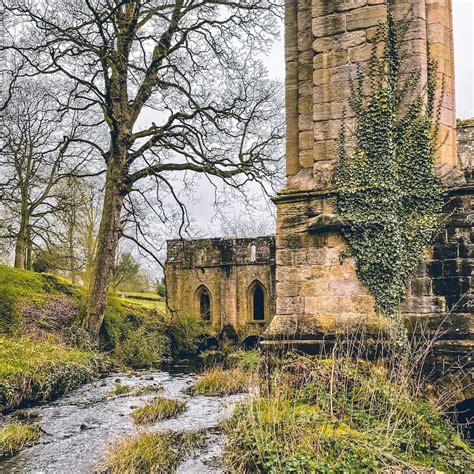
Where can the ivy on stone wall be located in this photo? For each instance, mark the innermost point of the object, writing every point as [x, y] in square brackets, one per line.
[389, 196]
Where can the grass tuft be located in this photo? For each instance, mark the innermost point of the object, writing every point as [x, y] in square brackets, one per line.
[147, 390]
[119, 390]
[159, 408]
[151, 453]
[220, 382]
[340, 415]
[15, 436]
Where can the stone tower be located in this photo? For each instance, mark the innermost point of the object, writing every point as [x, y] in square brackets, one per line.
[325, 41]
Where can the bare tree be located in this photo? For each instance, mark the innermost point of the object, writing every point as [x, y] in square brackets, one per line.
[179, 87]
[36, 152]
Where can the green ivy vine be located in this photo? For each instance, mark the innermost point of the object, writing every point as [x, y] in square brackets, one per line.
[389, 196]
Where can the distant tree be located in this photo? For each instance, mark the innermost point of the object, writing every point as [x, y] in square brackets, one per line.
[128, 274]
[178, 87]
[36, 152]
[160, 288]
[244, 225]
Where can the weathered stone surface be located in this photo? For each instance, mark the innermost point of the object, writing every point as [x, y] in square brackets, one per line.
[366, 17]
[228, 270]
[329, 25]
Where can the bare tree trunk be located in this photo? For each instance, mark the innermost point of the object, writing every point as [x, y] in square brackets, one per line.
[21, 245]
[29, 250]
[107, 243]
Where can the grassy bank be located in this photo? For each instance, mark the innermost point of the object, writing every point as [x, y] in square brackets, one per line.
[56, 356]
[340, 415]
[34, 371]
[15, 436]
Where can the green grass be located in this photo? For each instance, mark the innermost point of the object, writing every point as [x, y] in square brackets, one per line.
[152, 453]
[158, 306]
[139, 296]
[34, 371]
[148, 390]
[15, 436]
[119, 390]
[159, 408]
[220, 382]
[340, 415]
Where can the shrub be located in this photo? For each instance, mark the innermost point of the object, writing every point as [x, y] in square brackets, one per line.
[186, 333]
[15, 436]
[158, 409]
[246, 360]
[340, 415]
[151, 453]
[143, 348]
[219, 382]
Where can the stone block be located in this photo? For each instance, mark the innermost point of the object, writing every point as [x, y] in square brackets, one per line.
[424, 305]
[316, 256]
[421, 287]
[325, 150]
[350, 39]
[290, 305]
[329, 25]
[287, 288]
[305, 105]
[306, 140]
[345, 73]
[363, 304]
[362, 53]
[310, 288]
[320, 304]
[448, 286]
[332, 59]
[332, 92]
[306, 158]
[443, 252]
[305, 122]
[284, 257]
[305, 71]
[329, 130]
[284, 274]
[323, 8]
[366, 17]
[346, 288]
[344, 5]
[322, 45]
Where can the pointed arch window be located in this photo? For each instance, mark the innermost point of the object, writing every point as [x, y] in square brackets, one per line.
[258, 302]
[204, 304]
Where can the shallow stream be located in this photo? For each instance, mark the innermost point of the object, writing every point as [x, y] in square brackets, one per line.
[79, 427]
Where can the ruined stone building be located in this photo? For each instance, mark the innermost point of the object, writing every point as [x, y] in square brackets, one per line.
[316, 291]
[223, 281]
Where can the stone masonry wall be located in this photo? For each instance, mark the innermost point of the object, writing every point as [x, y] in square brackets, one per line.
[326, 42]
[227, 268]
[466, 145]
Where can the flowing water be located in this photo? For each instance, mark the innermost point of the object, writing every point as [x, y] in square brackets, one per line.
[79, 427]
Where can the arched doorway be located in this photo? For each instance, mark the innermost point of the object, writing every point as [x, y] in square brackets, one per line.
[204, 304]
[257, 302]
